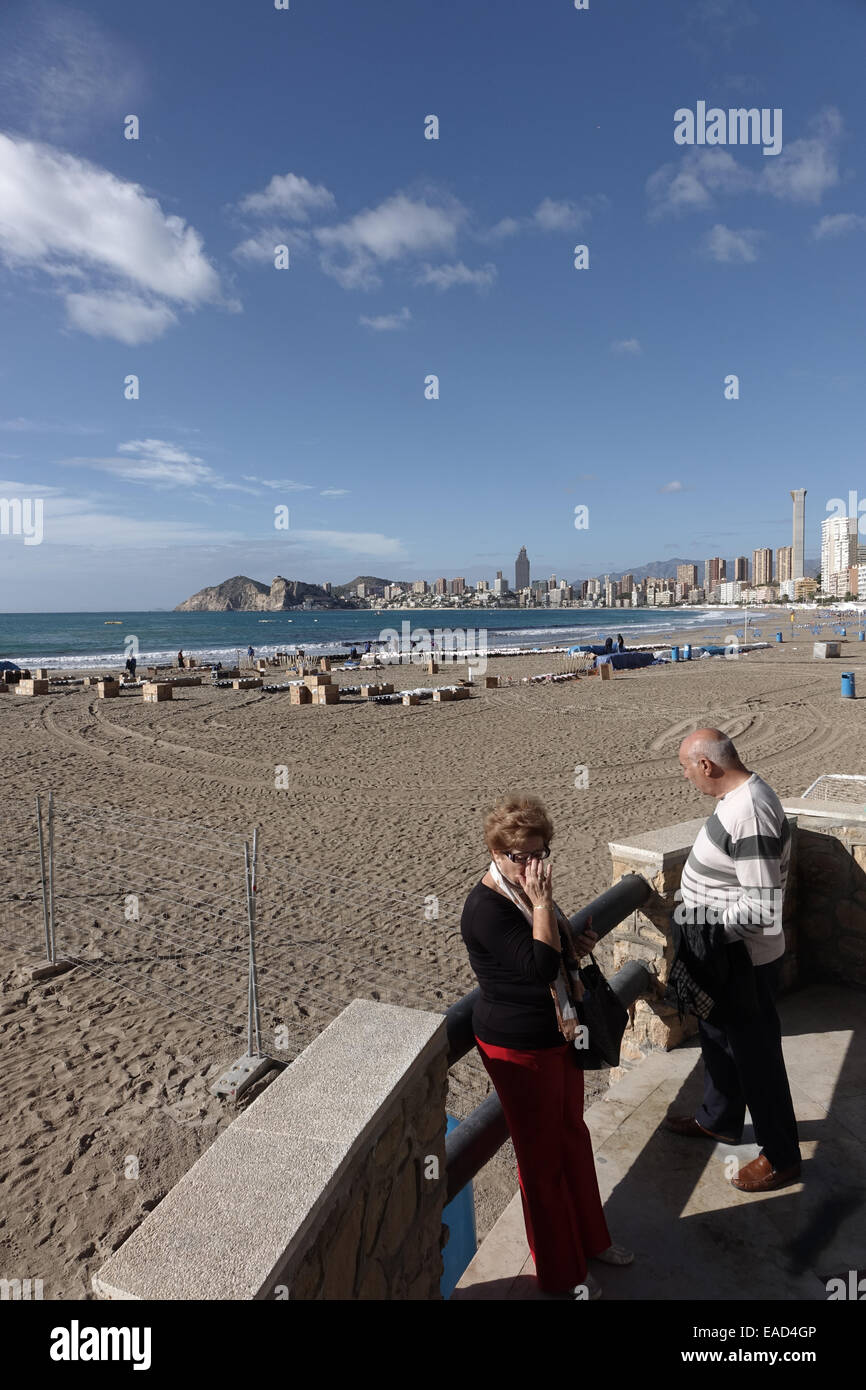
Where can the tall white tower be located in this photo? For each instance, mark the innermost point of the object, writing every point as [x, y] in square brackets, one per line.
[798, 497]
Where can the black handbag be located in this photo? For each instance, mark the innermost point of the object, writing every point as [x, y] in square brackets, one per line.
[603, 1017]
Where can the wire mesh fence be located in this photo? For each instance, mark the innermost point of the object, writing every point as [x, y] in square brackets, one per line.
[838, 786]
[166, 911]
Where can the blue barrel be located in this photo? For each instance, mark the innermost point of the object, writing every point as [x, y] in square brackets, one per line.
[843, 632]
[687, 652]
[861, 636]
[847, 685]
[459, 1217]
[778, 636]
[675, 653]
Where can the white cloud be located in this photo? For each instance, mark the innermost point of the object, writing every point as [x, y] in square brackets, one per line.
[443, 277]
[61, 73]
[672, 487]
[839, 224]
[334, 492]
[628, 346]
[61, 211]
[726, 245]
[398, 227]
[509, 226]
[292, 195]
[551, 215]
[159, 463]
[83, 521]
[279, 484]
[124, 317]
[262, 246]
[386, 323]
[802, 173]
[554, 216]
[356, 542]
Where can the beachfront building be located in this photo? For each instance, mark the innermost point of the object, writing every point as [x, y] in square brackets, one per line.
[637, 598]
[687, 577]
[714, 572]
[839, 551]
[626, 584]
[762, 566]
[798, 563]
[805, 589]
[458, 586]
[500, 588]
[696, 595]
[420, 586]
[788, 589]
[741, 569]
[521, 570]
[785, 563]
[441, 586]
[860, 591]
[730, 591]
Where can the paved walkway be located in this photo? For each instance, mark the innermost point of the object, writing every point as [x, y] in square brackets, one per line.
[668, 1199]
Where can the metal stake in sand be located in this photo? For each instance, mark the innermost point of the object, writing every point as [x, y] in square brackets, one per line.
[45, 911]
[51, 875]
[253, 1021]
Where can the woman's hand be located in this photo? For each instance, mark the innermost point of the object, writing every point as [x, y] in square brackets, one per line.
[585, 943]
[538, 883]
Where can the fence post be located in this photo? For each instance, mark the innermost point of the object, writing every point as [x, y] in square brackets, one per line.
[44, 879]
[51, 923]
[253, 1038]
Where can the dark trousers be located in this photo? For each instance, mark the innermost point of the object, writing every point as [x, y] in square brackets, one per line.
[744, 1066]
[542, 1096]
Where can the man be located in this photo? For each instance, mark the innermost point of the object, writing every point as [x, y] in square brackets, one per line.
[737, 870]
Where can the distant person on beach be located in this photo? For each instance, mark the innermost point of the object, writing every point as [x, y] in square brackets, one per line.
[608, 644]
[180, 659]
[521, 949]
[620, 644]
[353, 654]
[366, 648]
[729, 944]
[250, 653]
[131, 664]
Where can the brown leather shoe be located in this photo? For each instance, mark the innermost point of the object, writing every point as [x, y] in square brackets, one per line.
[688, 1126]
[761, 1176]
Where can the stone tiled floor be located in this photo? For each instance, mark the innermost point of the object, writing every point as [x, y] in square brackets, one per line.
[669, 1200]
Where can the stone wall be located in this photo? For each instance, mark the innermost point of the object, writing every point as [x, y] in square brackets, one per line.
[831, 882]
[330, 1185]
[383, 1239]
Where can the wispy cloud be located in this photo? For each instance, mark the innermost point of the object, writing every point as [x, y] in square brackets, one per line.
[62, 74]
[20, 425]
[368, 543]
[839, 224]
[725, 245]
[552, 215]
[444, 277]
[159, 464]
[628, 346]
[672, 487]
[83, 520]
[66, 214]
[334, 492]
[802, 173]
[278, 484]
[291, 195]
[387, 323]
[354, 251]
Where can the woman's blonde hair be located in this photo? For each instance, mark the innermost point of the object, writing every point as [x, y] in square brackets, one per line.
[514, 820]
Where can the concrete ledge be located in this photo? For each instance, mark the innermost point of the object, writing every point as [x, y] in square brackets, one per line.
[658, 847]
[252, 1204]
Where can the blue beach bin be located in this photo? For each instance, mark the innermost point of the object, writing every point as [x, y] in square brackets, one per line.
[843, 632]
[848, 685]
[675, 653]
[778, 639]
[459, 1217]
[861, 636]
[687, 652]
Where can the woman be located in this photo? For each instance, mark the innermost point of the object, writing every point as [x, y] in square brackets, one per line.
[524, 1026]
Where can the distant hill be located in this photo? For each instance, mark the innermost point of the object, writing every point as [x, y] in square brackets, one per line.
[244, 595]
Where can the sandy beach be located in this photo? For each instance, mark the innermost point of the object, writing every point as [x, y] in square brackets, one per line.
[370, 840]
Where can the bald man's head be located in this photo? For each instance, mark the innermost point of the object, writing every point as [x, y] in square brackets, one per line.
[710, 761]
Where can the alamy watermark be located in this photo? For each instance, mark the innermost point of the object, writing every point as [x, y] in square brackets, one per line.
[761, 908]
[22, 516]
[737, 126]
[423, 644]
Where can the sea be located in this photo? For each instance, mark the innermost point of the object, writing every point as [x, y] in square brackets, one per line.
[80, 640]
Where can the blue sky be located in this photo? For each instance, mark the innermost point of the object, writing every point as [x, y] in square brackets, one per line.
[409, 257]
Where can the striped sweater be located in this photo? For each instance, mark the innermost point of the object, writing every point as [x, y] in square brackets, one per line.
[736, 873]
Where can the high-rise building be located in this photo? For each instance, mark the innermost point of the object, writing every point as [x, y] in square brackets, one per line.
[762, 566]
[458, 585]
[441, 586]
[741, 569]
[784, 563]
[551, 583]
[626, 584]
[521, 570]
[798, 497]
[839, 551]
[687, 576]
[714, 572]
[420, 586]
[499, 585]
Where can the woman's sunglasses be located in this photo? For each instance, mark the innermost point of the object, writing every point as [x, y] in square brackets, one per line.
[518, 858]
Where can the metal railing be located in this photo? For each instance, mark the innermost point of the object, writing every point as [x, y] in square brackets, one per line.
[476, 1139]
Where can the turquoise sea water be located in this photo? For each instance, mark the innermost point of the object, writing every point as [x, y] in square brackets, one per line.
[99, 639]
